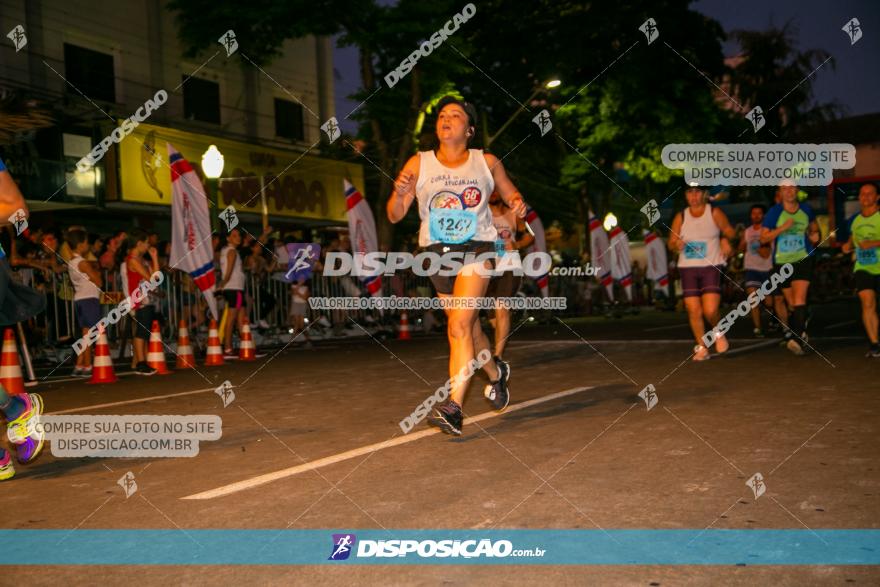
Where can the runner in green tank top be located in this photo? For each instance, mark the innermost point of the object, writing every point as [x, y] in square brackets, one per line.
[864, 240]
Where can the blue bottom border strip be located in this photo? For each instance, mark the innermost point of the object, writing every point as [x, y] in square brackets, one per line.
[486, 547]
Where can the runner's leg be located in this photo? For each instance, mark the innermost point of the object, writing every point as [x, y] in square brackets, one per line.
[868, 298]
[694, 307]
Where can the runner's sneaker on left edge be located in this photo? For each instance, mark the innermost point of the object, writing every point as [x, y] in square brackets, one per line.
[497, 392]
[7, 470]
[21, 431]
[447, 418]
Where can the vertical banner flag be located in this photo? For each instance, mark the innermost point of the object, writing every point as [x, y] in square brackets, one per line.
[658, 267]
[362, 233]
[301, 258]
[601, 255]
[621, 264]
[539, 246]
[191, 227]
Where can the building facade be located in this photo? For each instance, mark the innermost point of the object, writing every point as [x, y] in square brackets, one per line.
[89, 66]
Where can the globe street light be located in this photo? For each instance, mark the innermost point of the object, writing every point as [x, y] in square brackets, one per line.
[212, 167]
[610, 221]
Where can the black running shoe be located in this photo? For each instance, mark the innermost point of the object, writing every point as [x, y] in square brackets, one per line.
[447, 418]
[497, 392]
[144, 369]
[873, 351]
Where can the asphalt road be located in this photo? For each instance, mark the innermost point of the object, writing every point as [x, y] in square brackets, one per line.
[594, 458]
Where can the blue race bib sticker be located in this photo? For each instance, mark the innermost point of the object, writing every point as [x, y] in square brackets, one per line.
[791, 243]
[499, 248]
[867, 256]
[695, 250]
[452, 226]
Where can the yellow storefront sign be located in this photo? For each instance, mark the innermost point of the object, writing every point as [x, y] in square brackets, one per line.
[296, 185]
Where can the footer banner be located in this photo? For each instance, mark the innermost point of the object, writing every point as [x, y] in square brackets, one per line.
[456, 547]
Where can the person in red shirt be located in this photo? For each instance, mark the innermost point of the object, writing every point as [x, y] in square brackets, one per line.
[138, 270]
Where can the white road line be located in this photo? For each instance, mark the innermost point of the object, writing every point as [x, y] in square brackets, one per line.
[134, 401]
[356, 452]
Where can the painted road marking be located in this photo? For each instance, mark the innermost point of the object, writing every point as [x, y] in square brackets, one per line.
[356, 452]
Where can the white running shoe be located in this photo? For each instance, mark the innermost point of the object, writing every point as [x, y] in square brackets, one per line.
[701, 353]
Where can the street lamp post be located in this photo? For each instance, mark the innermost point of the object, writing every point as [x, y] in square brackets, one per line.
[212, 166]
[554, 83]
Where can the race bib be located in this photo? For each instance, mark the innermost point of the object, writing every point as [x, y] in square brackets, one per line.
[791, 243]
[867, 256]
[695, 250]
[499, 248]
[452, 226]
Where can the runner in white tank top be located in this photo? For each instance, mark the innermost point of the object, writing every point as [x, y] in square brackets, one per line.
[696, 237]
[452, 185]
[464, 189]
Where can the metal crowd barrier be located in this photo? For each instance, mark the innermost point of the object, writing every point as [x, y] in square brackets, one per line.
[269, 301]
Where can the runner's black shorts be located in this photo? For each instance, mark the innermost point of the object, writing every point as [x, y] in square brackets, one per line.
[234, 298]
[865, 280]
[444, 284]
[143, 321]
[802, 271]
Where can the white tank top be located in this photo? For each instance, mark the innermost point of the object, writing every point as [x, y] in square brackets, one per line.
[752, 259]
[703, 238]
[236, 278]
[83, 288]
[466, 187]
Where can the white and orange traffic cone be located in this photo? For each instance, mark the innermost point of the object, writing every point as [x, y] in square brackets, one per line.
[185, 357]
[102, 364]
[403, 331]
[155, 352]
[247, 350]
[214, 355]
[10, 368]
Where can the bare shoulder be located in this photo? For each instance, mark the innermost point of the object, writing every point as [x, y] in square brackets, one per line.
[491, 160]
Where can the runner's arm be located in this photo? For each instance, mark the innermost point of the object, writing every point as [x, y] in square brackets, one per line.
[813, 232]
[230, 264]
[768, 235]
[505, 187]
[11, 199]
[847, 247]
[527, 239]
[404, 191]
[723, 223]
[675, 243]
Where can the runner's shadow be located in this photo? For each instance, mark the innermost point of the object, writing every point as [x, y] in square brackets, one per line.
[600, 395]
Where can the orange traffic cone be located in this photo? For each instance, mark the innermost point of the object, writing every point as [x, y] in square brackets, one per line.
[185, 357]
[102, 364]
[215, 351]
[10, 368]
[403, 331]
[155, 352]
[247, 350]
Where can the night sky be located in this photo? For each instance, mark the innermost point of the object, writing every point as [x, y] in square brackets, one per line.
[854, 83]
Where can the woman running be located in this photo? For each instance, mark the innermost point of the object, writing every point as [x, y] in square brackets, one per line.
[702, 252]
[452, 186]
